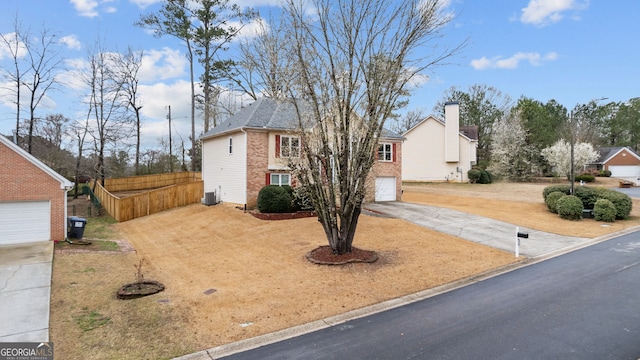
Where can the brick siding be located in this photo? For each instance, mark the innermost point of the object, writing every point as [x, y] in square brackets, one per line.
[21, 180]
[257, 165]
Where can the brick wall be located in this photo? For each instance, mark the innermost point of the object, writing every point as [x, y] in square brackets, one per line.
[257, 165]
[385, 168]
[624, 157]
[21, 180]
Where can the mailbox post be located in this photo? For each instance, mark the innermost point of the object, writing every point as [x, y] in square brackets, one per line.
[519, 235]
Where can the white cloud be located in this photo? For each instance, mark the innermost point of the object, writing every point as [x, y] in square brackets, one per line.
[544, 12]
[6, 52]
[162, 64]
[144, 3]
[534, 59]
[71, 42]
[86, 7]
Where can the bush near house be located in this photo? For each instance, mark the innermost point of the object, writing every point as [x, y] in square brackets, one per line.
[590, 195]
[479, 176]
[274, 199]
[569, 207]
[585, 178]
[604, 210]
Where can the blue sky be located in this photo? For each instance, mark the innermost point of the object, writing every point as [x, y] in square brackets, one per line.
[568, 50]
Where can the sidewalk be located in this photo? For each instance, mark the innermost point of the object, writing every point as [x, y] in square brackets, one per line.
[25, 291]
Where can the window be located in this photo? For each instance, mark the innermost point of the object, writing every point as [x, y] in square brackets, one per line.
[289, 146]
[385, 152]
[279, 179]
[230, 146]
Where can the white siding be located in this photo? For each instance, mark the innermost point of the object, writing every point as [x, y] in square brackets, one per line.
[224, 173]
[423, 154]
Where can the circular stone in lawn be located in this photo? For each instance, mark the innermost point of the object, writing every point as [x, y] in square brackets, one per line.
[139, 289]
[323, 255]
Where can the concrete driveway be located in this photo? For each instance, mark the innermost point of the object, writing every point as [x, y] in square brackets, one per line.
[475, 228]
[25, 291]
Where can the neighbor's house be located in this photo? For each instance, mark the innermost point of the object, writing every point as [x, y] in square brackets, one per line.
[33, 198]
[439, 150]
[250, 149]
[621, 161]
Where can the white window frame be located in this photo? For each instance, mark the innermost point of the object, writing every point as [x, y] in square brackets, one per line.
[279, 177]
[385, 150]
[289, 150]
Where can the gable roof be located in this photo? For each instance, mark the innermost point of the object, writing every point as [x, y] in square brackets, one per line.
[608, 153]
[468, 132]
[268, 114]
[64, 183]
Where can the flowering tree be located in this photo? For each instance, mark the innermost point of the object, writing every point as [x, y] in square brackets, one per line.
[559, 156]
[511, 156]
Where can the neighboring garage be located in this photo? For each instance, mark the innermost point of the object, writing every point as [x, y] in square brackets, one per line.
[385, 188]
[621, 161]
[33, 198]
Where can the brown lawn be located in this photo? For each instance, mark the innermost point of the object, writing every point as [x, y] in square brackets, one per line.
[230, 276]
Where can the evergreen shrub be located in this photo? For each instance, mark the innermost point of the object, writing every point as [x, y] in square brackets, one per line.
[274, 199]
[569, 207]
[604, 210]
[552, 200]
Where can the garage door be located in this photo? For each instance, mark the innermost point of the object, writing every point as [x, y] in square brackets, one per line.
[385, 188]
[25, 221]
[625, 171]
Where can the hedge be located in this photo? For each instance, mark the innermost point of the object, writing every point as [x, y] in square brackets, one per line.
[569, 207]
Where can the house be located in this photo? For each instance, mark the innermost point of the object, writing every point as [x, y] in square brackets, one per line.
[621, 161]
[250, 149]
[33, 198]
[439, 150]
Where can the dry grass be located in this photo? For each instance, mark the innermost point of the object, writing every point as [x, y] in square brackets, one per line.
[230, 276]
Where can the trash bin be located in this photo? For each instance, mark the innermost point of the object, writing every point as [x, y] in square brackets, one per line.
[75, 227]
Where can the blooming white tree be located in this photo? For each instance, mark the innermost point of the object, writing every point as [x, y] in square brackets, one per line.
[511, 156]
[559, 156]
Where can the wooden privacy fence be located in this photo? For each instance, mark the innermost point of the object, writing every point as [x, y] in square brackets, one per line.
[149, 202]
[151, 181]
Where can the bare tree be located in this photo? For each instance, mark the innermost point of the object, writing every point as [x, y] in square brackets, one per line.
[355, 61]
[44, 63]
[126, 68]
[15, 45]
[106, 104]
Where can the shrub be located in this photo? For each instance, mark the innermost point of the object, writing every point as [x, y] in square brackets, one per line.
[605, 173]
[621, 201]
[604, 210]
[473, 175]
[566, 189]
[587, 195]
[552, 200]
[274, 199]
[569, 207]
[585, 178]
[485, 177]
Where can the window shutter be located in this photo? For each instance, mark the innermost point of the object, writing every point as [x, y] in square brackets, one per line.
[277, 146]
[394, 152]
[268, 179]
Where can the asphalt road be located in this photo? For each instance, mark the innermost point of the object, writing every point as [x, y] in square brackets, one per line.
[581, 305]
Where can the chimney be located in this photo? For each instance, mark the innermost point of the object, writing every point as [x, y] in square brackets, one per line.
[451, 131]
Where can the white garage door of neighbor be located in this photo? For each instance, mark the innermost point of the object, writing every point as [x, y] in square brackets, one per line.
[385, 188]
[25, 221]
[625, 170]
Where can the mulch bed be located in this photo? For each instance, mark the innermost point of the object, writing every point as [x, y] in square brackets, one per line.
[323, 255]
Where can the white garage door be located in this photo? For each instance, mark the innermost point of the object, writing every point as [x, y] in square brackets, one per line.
[625, 170]
[385, 188]
[25, 221]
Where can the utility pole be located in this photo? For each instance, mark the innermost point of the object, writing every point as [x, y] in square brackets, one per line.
[170, 145]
